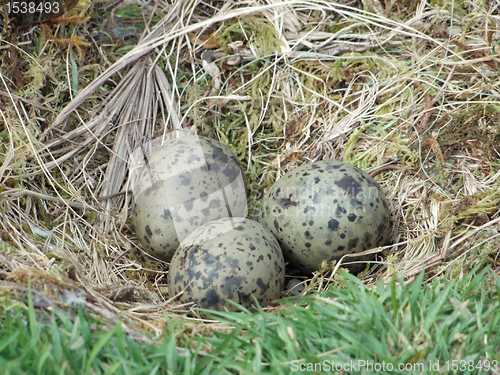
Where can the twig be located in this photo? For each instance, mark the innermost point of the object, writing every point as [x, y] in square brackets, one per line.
[34, 194]
[393, 167]
[480, 57]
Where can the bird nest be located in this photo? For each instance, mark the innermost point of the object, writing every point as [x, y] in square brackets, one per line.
[407, 91]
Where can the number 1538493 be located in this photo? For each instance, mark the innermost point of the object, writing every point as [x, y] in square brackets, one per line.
[30, 7]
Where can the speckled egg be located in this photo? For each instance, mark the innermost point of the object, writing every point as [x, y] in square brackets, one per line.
[187, 183]
[231, 259]
[324, 210]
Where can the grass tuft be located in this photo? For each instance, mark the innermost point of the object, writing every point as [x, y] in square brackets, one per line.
[402, 324]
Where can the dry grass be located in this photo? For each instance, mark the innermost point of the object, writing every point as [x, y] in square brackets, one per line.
[408, 91]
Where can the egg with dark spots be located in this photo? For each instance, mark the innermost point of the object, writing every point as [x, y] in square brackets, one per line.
[187, 183]
[324, 210]
[233, 259]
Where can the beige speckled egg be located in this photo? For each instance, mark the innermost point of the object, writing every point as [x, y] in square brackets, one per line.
[229, 258]
[323, 210]
[187, 183]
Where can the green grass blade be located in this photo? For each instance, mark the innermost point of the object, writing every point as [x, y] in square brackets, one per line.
[97, 347]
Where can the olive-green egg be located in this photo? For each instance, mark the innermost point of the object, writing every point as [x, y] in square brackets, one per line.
[187, 183]
[230, 258]
[323, 210]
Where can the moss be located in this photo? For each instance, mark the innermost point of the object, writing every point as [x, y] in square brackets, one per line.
[472, 209]
[255, 30]
[474, 132]
[483, 246]
[460, 7]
